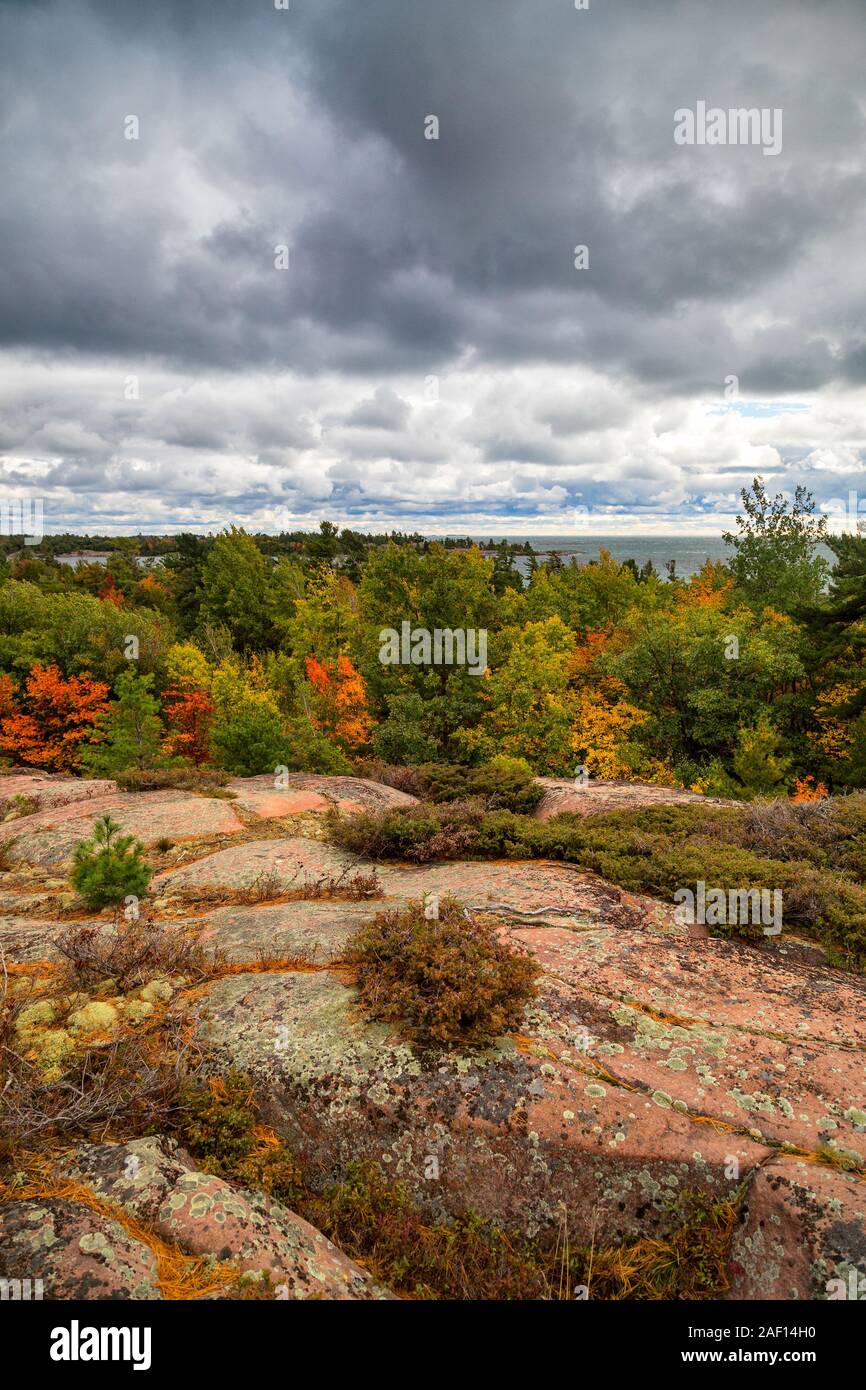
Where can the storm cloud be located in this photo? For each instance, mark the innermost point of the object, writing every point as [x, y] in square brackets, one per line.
[279, 300]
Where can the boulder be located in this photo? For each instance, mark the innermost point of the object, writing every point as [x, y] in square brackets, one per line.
[156, 1182]
[302, 791]
[802, 1234]
[76, 1252]
[48, 838]
[563, 794]
[652, 1064]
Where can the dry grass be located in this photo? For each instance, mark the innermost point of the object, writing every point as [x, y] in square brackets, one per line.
[271, 887]
[125, 1086]
[179, 1276]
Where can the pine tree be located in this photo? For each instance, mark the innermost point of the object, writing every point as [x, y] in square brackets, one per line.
[132, 730]
[109, 867]
[758, 764]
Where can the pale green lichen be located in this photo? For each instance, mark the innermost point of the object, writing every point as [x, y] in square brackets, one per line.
[95, 1017]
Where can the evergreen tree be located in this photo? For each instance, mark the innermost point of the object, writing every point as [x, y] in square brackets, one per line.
[132, 730]
[186, 565]
[837, 627]
[109, 867]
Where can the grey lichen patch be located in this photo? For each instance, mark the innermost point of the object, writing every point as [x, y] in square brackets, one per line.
[756, 1101]
[653, 1034]
[97, 1244]
[303, 1026]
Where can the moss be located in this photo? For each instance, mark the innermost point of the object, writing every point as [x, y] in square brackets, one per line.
[216, 1120]
[136, 1010]
[157, 992]
[50, 1048]
[37, 1015]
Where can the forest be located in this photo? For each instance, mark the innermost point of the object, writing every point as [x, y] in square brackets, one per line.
[234, 654]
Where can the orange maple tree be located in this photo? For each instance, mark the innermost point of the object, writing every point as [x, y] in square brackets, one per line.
[57, 716]
[7, 696]
[110, 593]
[806, 789]
[340, 703]
[189, 711]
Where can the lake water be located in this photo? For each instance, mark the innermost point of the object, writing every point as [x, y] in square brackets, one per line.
[690, 552]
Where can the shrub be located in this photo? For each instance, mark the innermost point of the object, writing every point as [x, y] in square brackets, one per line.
[814, 852]
[184, 777]
[403, 779]
[129, 1086]
[109, 868]
[448, 981]
[504, 784]
[131, 953]
[216, 1120]
[417, 833]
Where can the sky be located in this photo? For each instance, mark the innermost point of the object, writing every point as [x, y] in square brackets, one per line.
[241, 284]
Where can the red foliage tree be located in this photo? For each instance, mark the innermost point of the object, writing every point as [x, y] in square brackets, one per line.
[190, 712]
[109, 593]
[58, 716]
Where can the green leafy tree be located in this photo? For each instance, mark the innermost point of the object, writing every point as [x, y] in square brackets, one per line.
[440, 589]
[530, 713]
[774, 564]
[247, 734]
[701, 673]
[309, 750]
[236, 590]
[109, 867]
[77, 632]
[401, 737]
[251, 741]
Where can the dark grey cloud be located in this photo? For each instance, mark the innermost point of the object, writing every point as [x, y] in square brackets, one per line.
[410, 258]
